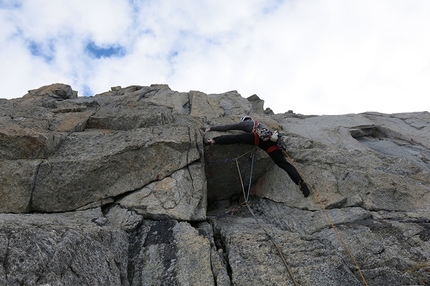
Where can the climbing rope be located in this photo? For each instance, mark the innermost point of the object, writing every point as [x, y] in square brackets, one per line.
[250, 175]
[230, 212]
[276, 244]
[329, 218]
[246, 202]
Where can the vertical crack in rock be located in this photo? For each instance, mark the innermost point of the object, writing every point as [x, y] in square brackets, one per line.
[194, 143]
[91, 116]
[5, 258]
[136, 241]
[220, 244]
[188, 105]
[57, 142]
[33, 188]
[189, 149]
[218, 263]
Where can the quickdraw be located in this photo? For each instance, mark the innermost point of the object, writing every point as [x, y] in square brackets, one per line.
[264, 133]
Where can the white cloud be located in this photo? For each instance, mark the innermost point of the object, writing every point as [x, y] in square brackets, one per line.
[314, 57]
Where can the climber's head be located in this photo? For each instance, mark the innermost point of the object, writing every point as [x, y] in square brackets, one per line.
[244, 118]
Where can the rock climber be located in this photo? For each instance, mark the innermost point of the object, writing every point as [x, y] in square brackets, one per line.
[259, 135]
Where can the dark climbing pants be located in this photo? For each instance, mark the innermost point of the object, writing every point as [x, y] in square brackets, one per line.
[276, 155]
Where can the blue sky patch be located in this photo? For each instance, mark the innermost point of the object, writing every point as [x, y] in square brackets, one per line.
[44, 50]
[173, 55]
[271, 7]
[10, 4]
[86, 91]
[105, 51]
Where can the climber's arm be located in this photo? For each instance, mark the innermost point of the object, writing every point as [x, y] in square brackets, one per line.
[243, 126]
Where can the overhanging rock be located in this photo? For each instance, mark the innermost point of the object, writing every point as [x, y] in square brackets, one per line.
[228, 166]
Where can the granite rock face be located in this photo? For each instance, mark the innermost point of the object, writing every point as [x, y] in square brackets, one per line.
[118, 189]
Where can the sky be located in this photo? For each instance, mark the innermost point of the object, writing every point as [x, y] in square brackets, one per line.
[310, 56]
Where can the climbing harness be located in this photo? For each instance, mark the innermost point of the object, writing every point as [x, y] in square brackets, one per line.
[262, 132]
[329, 219]
[265, 134]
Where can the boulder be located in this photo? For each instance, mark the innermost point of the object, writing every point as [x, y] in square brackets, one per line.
[56, 90]
[137, 114]
[114, 163]
[181, 196]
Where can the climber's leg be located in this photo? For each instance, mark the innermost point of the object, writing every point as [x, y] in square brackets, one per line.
[282, 163]
[280, 160]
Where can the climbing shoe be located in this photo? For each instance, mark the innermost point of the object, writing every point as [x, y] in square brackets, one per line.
[304, 188]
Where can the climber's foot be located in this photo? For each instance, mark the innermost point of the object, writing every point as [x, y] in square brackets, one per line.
[304, 188]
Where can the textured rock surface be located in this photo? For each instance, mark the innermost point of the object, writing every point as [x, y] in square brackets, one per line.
[117, 189]
[62, 249]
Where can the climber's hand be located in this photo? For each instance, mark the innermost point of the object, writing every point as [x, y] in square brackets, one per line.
[274, 136]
